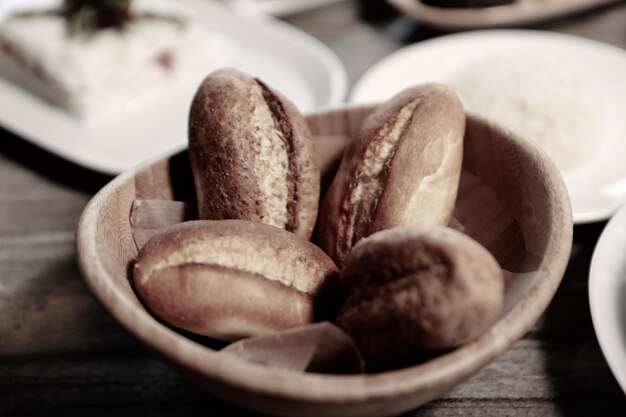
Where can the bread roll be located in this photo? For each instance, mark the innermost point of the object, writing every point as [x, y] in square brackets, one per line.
[410, 292]
[401, 169]
[232, 279]
[251, 154]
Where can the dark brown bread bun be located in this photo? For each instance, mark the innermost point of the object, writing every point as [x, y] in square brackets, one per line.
[410, 292]
[401, 169]
[252, 155]
[231, 279]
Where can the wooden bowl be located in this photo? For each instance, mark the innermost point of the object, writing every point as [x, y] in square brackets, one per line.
[512, 200]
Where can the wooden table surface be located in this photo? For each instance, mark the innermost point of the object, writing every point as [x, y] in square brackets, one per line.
[61, 353]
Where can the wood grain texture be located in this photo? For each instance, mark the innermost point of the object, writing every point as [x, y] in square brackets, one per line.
[89, 365]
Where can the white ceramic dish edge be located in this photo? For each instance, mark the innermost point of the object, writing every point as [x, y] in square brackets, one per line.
[607, 294]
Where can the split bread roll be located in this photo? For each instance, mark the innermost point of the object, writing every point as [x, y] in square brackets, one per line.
[231, 279]
[252, 155]
[401, 169]
[410, 292]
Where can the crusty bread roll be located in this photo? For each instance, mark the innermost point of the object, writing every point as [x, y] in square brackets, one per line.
[231, 279]
[410, 292]
[251, 154]
[401, 169]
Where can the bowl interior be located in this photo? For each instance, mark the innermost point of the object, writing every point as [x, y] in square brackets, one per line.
[511, 199]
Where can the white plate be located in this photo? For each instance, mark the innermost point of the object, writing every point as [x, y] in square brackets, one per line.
[289, 60]
[597, 188]
[607, 294]
[518, 12]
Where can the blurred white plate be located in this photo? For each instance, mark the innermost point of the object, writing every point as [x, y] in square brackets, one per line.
[607, 294]
[518, 12]
[598, 187]
[286, 58]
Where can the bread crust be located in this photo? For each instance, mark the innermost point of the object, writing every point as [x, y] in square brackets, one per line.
[409, 292]
[231, 279]
[401, 169]
[251, 154]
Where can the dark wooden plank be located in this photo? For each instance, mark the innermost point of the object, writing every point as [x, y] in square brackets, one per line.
[530, 407]
[44, 303]
[358, 44]
[27, 216]
[108, 385]
[605, 24]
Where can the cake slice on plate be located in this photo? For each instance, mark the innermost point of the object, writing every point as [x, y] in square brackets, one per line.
[95, 58]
